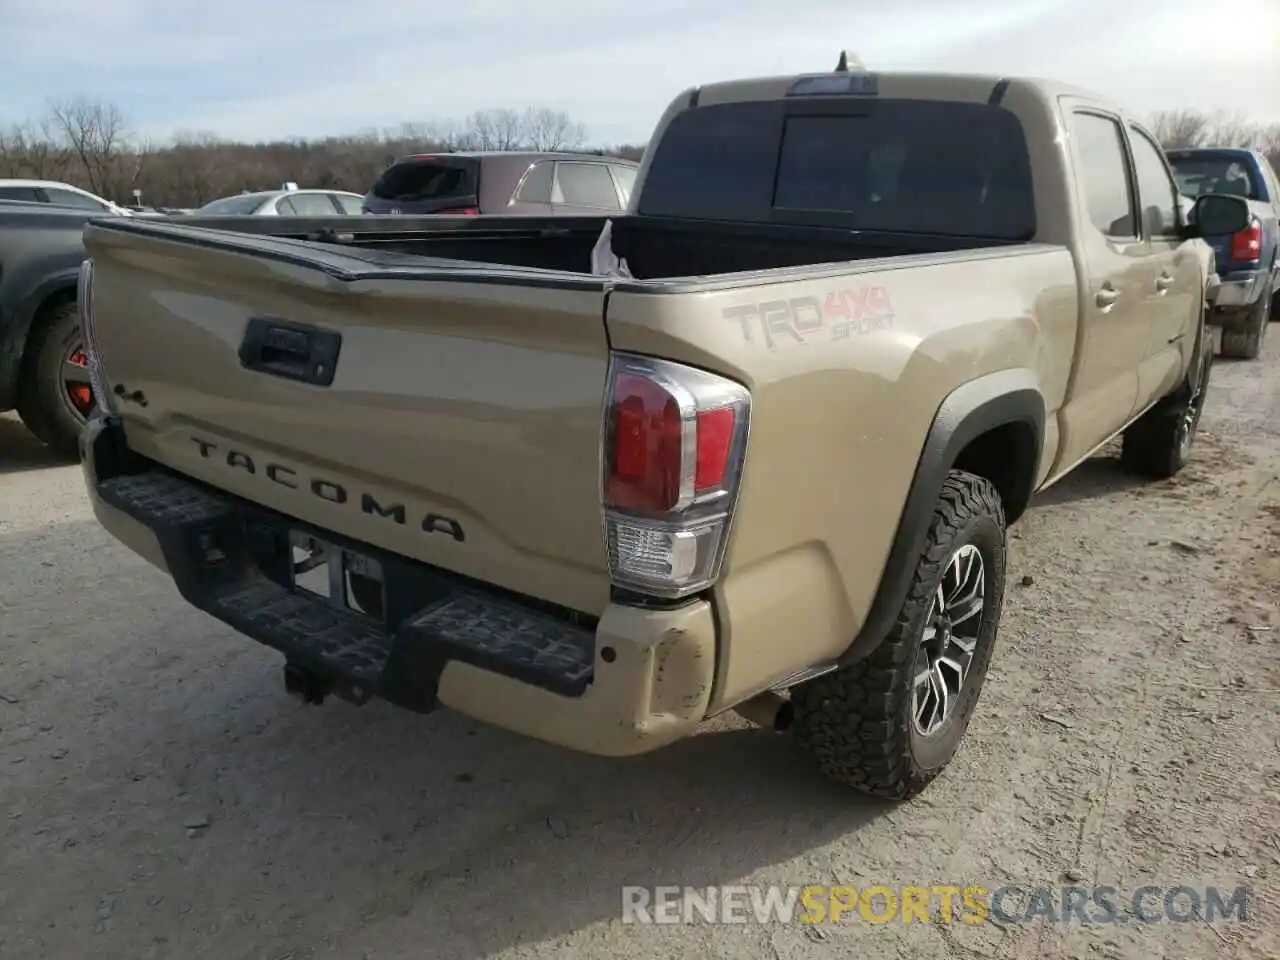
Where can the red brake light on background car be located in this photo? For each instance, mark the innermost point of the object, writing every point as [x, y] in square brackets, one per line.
[1247, 244]
[674, 444]
[459, 212]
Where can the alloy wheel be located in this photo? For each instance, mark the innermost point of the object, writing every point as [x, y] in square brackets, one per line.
[950, 637]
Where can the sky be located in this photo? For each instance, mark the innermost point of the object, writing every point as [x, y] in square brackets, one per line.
[270, 69]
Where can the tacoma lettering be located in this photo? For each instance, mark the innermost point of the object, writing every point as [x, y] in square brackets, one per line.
[326, 489]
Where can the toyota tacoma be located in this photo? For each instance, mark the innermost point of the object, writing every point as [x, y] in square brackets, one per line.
[752, 445]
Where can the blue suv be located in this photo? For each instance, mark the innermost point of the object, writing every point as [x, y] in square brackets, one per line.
[1247, 261]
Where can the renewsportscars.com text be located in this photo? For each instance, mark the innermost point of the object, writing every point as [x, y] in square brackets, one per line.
[937, 903]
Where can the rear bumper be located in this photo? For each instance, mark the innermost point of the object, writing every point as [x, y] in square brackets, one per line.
[1241, 289]
[634, 681]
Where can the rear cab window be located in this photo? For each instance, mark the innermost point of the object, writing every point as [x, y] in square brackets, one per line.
[891, 165]
[1232, 173]
[428, 178]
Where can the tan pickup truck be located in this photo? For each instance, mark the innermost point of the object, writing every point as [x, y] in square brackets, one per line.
[755, 446]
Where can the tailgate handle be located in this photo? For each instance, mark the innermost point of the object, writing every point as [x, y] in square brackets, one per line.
[294, 351]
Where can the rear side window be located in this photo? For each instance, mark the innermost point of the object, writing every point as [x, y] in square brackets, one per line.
[411, 180]
[307, 205]
[536, 187]
[902, 166]
[1104, 174]
[234, 206]
[348, 205]
[626, 180]
[27, 194]
[587, 185]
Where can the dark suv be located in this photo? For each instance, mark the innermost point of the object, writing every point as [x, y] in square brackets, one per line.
[503, 183]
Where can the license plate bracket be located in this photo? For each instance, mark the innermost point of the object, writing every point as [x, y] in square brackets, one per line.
[345, 578]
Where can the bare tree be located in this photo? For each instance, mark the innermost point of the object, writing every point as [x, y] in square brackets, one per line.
[498, 129]
[94, 133]
[546, 129]
[1179, 128]
[85, 142]
[1231, 130]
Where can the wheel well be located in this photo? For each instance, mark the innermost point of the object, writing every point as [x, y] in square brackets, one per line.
[1006, 455]
[55, 299]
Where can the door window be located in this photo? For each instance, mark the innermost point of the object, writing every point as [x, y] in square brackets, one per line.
[1157, 190]
[25, 194]
[69, 198]
[1104, 175]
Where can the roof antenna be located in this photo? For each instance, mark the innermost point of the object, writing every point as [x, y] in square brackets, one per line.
[849, 61]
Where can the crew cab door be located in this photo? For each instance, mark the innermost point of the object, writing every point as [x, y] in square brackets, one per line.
[1174, 298]
[1115, 318]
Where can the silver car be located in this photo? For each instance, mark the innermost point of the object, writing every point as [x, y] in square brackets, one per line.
[284, 203]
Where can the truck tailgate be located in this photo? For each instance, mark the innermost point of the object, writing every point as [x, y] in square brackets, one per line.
[461, 426]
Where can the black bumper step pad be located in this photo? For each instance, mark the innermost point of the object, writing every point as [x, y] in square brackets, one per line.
[221, 549]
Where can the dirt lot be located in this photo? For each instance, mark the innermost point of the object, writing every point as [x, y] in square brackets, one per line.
[160, 796]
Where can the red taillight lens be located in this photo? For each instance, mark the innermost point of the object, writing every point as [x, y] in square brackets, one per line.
[674, 444]
[646, 456]
[1247, 244]
[715, 438]
[459, 212]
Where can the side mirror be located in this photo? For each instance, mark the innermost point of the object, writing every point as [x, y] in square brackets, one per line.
[1216, 215]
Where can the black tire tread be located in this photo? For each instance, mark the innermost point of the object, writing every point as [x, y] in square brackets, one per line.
[1244, 342]
[32, 399]
[855, 720]
[1150, 446]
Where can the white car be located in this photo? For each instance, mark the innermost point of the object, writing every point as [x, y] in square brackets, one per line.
[284, 203]
[59, 194]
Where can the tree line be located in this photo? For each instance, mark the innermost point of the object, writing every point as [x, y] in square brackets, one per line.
[88, 143]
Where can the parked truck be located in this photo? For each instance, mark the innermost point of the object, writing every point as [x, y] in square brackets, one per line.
[754, 444]
[43, 372]
[1248, 260]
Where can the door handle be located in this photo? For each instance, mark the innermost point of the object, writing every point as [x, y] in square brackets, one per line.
[1164, 282]
[1107, 296]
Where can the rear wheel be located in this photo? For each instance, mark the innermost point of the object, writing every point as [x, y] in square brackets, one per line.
[1244, 341]
[888, 725]
[54, 396]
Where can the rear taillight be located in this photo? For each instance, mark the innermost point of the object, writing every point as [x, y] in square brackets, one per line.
[674, 442]
[459, 212]
[1247, 244]
[92, 350]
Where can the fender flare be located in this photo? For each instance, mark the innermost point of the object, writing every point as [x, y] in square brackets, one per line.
[972, 409]
[13, 345]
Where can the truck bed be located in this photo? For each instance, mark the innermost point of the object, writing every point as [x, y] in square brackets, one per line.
[654, 248]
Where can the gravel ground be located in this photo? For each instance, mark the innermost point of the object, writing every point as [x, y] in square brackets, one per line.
[160, 796]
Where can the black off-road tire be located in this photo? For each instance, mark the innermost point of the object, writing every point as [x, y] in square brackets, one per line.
[1158, 444]
[41, 403]
[857, 721]
[1243, 341]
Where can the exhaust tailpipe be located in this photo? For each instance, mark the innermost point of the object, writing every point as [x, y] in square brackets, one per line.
[769, 710]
